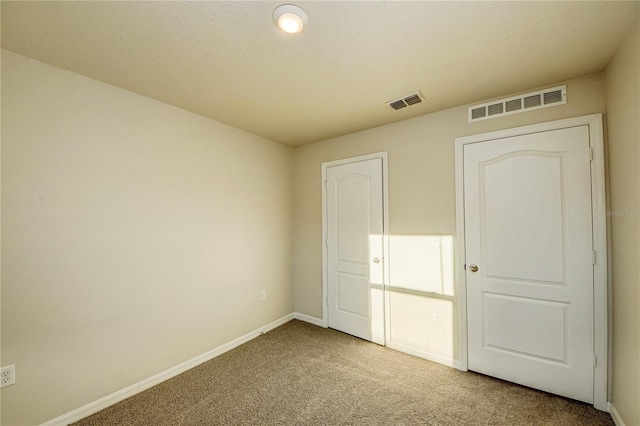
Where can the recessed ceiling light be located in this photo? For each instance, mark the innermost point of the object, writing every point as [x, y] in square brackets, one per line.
[290, 18]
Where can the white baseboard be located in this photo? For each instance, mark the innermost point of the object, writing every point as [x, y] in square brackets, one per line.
[145, 384]
[615, 415]
[449, 362]
[311, 320]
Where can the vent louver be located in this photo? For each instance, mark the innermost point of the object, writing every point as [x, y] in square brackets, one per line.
[405, 101]
[513, 105]
[398, 104]
[479, 113]
[527, 102]
[553, 97]
[532, 101]
[495, 109]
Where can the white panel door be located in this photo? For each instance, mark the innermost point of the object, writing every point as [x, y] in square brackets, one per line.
[529, 268]
[354, 202]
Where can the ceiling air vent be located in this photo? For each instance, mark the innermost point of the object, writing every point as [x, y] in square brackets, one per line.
[396, 105]
[405, 101]
[527, 102]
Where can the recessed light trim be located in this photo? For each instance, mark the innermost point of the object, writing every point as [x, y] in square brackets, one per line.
[290, 18]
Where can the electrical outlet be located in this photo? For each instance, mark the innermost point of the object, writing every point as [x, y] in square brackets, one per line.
[263, 295]
[437, 315]
[8, 376]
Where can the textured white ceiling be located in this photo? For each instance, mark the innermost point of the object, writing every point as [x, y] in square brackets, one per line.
[227, 61]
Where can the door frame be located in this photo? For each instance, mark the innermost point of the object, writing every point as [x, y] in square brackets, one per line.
[599, 231]
[385, 226]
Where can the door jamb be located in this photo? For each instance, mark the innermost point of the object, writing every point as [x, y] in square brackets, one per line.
[599, 230]
[385, 226]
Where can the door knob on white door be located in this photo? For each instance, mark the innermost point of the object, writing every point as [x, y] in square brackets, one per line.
[376, 260]
[473, 268]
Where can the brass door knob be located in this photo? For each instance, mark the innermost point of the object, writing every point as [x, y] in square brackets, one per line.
[473, 268]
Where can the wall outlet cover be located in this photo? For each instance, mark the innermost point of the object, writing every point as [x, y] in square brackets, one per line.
[7, 376]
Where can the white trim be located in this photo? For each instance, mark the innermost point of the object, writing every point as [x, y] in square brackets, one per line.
[615, 415]
[307, 318]
[109, 400]
[385, 201]
[460, 285]
[386, 276]
[449, 362]
[594, 122]
[600, 269]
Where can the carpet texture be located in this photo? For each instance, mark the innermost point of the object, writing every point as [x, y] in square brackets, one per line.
[303, 374]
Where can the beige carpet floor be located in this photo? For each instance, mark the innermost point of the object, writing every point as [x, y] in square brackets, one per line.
[303, 374]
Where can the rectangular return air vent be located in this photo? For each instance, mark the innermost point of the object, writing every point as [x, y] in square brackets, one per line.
[527, 102]
[405, 101]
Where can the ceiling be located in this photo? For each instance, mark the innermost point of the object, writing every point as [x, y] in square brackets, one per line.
[228, 62]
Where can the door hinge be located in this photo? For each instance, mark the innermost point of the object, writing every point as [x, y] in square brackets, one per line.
[327, 301]
[326, 242]
[590, 154]
[595, 360]
[593, 257]
[325, 184]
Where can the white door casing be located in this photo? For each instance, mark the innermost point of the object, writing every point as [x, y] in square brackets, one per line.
[528, 230]
[354, 219]
[530, 216]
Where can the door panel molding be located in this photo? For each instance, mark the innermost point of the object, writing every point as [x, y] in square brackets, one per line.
[385, 239]
[599, 229]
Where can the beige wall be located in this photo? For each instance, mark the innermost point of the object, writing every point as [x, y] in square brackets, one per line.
[421, 197]
[135, 236]
[622, 78]
[132, 229]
